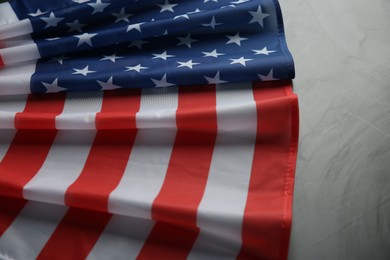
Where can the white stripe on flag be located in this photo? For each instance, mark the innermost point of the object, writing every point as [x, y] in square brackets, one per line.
[122, 238]
[15, 29]
[9, 106]
[149, 159]
[15, 80]
[7, 14]
[61, 168]
[68, 153]
[6, 137]
[18, 54]
[30, 231]
[80, 110]
[158, 108]
[222, 207]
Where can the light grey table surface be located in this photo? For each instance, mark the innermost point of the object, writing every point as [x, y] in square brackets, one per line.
[341, 206]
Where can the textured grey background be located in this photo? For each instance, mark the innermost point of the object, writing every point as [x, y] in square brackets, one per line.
[341, 204]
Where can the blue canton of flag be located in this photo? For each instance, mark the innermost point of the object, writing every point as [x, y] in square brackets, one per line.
[130, 44]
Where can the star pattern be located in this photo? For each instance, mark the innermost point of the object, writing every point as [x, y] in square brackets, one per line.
[98, 7]
[75, 26]
[235, 39]
[162, 82]
[136, 68]
[52, 20]
[167, 7]
[215, 80]
[122, 16]
[268, 77]
[83, 71]
[53, 87]
[263, 51]
[107, 85]
[258, 16]
[189, 64]
[37, 13]
[186, 41]
[158, 47]
[240, 60]
[213, 53]
[112, 57]
[85, 38]
[162, 55]
[212, 24]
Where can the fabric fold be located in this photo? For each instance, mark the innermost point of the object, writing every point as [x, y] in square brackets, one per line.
[143, 173]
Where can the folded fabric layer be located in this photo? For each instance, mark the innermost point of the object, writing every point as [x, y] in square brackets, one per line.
[197, 172]
[146, 43]
[86, 110]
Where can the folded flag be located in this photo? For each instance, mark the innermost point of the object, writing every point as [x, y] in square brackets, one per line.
[145, 129]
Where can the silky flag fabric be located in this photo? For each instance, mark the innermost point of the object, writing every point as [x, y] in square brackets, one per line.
[145, 129]
[175, 173]
[105, 44]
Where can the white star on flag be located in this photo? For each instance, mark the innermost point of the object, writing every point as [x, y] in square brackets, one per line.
[52, 20]
[214, 54]
[181, 16]
[163, 55]
[186, 41]
[59, 59]
[53, 87]
[258, 16]
[162, 82]
[98, 7]
[212, 24]
[235, 39]
[137, 43]
[263, 51]
[80, 1]
[239, 2]
[241, 61]
[136, 26]
[75, 26]
[38, 12]
[85, 38]
[112, 57]
[268, 77]
[215, 80]
[122, 16]
[108, 85]
[187, 64]
[84, 71]
[137, 68]
[167, 7]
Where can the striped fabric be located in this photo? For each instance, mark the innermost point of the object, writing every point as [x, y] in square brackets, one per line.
[200, 172]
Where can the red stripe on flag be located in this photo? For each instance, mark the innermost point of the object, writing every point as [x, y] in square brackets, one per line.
[9, 210]
[267, 218]
[119, 110]
[40, 111]
[76, 235]
[175, 207]
[1, 62]
[102, 172]
[25, 156]
[109, 155]
[29, 148]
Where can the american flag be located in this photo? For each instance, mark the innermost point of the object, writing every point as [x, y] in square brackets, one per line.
[195, 159]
